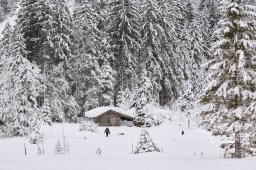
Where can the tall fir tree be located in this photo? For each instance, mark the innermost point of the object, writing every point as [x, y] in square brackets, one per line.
[47, 29]
[208, 19]
[35, 20]
[158, 52]
[197, 52]
[142, 98]
[4, 9]
[59, 74]
[5, 41]
[88, 43]
[107, 74]
[123, 27]
[20, 86]
[233, 74]
[152, 35]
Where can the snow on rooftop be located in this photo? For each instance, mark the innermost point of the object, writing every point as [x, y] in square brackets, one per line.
[100, 110]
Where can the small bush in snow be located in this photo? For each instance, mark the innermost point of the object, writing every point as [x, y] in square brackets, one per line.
[145, 144]
[150, 115]
[35, 137]
[88, 125]
[58, 148]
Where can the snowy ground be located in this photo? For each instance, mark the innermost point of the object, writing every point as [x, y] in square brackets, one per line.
[179, 152]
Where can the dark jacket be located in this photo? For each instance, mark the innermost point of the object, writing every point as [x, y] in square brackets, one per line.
[107, 131]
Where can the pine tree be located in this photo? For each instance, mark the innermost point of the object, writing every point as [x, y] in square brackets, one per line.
[232, 72]
[4, 9]
[5, 41]
[20, 86]
[62, 33]
[57, 91]
[125, 98]
[34, 133]
[209, 17]
[208, 9]
[59, 71]
[123, 28]
[46, 112]
[159, 50]
[197, 54]
[152, 35]
[88, 38]
[145, 144]
[88, 125]
[142, 98]
[107, 77]
[46, 26]
[36, 22]
[58, 148]
[195, 38]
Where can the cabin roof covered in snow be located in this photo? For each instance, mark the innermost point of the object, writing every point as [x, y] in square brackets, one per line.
[100, 110]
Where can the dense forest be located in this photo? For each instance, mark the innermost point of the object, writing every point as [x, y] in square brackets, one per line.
[60, 61]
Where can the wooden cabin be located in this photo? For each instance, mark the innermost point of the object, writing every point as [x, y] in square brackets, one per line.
[110, 116]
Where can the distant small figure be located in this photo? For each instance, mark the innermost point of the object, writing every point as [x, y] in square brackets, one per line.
[182, 132]
[120, 134]
[107, 131]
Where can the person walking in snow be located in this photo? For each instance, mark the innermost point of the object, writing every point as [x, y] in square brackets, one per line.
[107, 131]
[182, 132]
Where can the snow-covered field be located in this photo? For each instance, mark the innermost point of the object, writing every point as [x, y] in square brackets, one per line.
[195, 150]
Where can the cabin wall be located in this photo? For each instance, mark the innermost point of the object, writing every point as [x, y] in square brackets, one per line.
[109, 119]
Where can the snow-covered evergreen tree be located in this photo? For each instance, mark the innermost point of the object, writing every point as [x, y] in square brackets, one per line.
[35, 21]
[5, 41]
[195, 38]
[58, 148]
[123, 26]
[20, 86]
[153, 38]
[34, 133]
[86, 65]
[62, 33]
[159, 49]
[57, 91]
[208, 19]
[145, 144]
[232, 87]
[144, 93]
[197, 54]
[107, 75]
[59, 73]
[88, 125]
[125, 98]
[46, 113]
[46, 26]
[4, 9]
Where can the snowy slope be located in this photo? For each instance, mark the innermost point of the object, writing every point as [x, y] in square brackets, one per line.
[196, 150]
